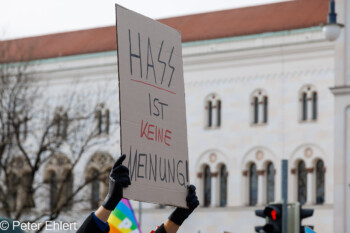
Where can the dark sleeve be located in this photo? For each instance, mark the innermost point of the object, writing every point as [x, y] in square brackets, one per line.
[90, 226]
[161, 229]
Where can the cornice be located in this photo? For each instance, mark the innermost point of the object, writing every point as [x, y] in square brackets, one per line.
[256, 42]
[251, 77]
[343, 90]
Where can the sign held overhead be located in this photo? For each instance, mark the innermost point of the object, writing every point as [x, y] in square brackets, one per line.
[152, 109]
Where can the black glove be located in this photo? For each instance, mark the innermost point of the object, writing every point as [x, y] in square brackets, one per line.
[180, 214]
[118, 178]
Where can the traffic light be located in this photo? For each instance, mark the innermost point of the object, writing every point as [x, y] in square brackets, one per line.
[305, 213]
[259, 213]
[273, 215]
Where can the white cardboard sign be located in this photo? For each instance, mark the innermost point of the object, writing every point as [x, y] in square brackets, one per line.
[152, 109]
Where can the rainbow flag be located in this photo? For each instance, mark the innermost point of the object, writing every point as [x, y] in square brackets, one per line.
[122, 219]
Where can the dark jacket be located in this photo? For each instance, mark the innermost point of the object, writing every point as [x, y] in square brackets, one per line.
[90, 226]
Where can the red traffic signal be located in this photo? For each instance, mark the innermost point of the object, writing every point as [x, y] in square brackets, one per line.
[273, 211]
[273, 215]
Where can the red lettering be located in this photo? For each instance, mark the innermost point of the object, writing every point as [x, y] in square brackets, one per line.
[160, 135]
[143, 130]
[154, 133]
[150, 131]
[166, 136]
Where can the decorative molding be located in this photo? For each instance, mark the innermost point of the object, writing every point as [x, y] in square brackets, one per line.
[310, 170]
[261, 172]
[245, 173]
[199, 175]
[214, 174]
[251, 77]
[293, 171]
[259, 155]
[213, 157]
[308, 152]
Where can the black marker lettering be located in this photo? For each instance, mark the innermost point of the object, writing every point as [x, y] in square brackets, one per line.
[149, 54]
[150, 107]
[172, 67]
[135, 55]
[187, 171]
[154, 103]
[162, 104]
[179, 174]
[153, 169]
[140, 164]
[160, 170]
[160, 61]
[133, 170]
[172, 174]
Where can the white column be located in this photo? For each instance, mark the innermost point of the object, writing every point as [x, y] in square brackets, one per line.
[261, 187]
[347, 159]
[341, 196]
[309, 184]
[213, 189]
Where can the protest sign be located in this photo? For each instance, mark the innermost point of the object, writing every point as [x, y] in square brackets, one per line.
[152, 109]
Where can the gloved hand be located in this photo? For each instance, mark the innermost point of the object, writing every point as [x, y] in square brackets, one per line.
[179, 215]
[118, 179]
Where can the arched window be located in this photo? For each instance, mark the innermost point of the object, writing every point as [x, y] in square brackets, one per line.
[102, 119]
[256, 110]
[253, 185]
[21, 125]
[213, 108]
[14, 181]
[223, 185]
[308, 103]
[95, 190]
[270, 183]
[320, 181]
[314, 105]
[59, 177]
[67, 191]
[53, 190]
[97, 174]
[302, 183]
[61, 123]
[27, 183]
[207, 186]
[259, 107]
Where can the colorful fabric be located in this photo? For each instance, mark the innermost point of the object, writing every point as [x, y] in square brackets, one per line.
[308, 230]
[123, 220]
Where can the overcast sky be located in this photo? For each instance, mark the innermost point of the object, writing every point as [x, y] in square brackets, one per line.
[23, 18]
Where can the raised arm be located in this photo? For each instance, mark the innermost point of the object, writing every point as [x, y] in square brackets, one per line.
[118, 179]
[179, 215]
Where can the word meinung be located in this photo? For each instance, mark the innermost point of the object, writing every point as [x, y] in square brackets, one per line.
[156, 168]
